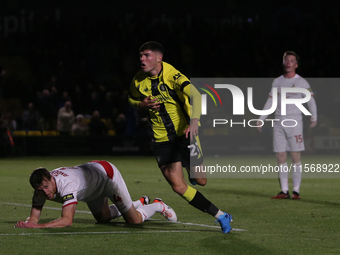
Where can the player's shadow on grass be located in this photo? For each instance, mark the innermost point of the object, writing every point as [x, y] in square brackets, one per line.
[77, 221]
[233, 244]
[122, 226]
[239, 193]
[312, 201]
[45, 220]
[159, 226]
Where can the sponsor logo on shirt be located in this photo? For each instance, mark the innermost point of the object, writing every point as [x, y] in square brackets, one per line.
[68, 197]
[177, 76]
[162, 87]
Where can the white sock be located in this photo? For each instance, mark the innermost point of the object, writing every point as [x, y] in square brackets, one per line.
[137, 204]
[297, 174]
[147, 211]
[115, 213]
[219, 213]
[283, 176]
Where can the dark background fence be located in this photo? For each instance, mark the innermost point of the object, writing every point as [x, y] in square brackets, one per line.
[87, 52]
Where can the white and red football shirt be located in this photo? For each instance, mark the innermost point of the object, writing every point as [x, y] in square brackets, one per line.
[298, 82]
[85, 182]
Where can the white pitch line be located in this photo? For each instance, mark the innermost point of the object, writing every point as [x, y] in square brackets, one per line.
[195, 224]
[87, 212]
[45, 207]
[109, 232]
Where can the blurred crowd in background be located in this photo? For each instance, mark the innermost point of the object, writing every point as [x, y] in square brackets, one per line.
[89, 61]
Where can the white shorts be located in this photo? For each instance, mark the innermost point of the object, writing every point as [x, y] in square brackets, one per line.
[288, 138]
[115, 190]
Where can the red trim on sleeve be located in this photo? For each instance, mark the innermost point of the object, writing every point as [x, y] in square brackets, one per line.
[107, 166]
[70, 204]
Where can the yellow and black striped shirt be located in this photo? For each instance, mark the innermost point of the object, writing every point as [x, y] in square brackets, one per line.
[172, 90]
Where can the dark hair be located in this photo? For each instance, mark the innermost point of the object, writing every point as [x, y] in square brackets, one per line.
[38, 175]
[153, 46]
[292, 53]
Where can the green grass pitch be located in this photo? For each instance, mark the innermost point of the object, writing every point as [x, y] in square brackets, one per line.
[308, 226]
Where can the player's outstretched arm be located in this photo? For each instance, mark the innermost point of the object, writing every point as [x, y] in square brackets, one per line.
[35, 214]
[33, 219]
[64, 221]
[195, 113]
[192, 129]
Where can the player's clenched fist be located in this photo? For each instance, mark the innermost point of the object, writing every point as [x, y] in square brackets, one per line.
[25, 224]
[150, 103]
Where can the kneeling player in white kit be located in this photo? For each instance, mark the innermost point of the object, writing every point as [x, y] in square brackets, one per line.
[94, 183]
[289, 138]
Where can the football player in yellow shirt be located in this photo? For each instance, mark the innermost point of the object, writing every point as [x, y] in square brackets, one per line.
[166, 94]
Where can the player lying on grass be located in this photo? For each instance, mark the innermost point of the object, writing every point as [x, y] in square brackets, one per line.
[94, 183]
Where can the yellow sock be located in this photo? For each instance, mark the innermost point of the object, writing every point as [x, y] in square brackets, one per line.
[189, 194]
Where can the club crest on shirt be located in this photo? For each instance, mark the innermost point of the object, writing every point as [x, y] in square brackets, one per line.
[68, 197]
[162, 87]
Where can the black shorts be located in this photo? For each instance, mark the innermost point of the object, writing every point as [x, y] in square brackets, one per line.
[179, 149]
